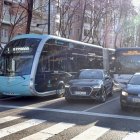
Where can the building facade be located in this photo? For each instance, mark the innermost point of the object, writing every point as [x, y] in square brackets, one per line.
[13, 19]
[74, 19]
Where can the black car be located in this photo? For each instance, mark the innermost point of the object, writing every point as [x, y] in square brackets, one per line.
[89, 84]
[130, 95]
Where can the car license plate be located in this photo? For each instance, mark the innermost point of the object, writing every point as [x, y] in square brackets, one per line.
[136, 100]
[80, 93]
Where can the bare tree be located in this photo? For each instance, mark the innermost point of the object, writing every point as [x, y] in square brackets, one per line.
[68, 10]
[29, 10]
[109, 17]
[16, 16]
[29, 14]
[18, 19]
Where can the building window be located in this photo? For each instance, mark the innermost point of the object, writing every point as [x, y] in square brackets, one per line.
[36, 5]
[71, 32]
[86, 32]
[4, 34]
[52, 8]
[58, 9]
[78, 31]
[77, 17]
[57, 26]
[87, 20]
[20, 1]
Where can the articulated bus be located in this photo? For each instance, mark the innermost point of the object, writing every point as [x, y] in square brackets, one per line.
[40, 65]
[126, 63]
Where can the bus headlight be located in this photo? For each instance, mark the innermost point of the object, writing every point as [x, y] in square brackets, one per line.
[97, 86]
[31, 83]
[124, 93]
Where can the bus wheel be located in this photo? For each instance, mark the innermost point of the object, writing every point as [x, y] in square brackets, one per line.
[103, 96]
[60, 91]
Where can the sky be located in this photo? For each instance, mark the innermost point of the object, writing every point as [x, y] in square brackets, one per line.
[136, 3]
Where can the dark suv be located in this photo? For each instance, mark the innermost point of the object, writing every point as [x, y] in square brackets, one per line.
[89, 84]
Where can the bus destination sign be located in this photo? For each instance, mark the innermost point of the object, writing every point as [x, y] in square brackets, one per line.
[132, 52]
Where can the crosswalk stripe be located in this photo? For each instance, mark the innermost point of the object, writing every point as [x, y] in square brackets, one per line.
[92, 133]
[49, 132]
[8, 118]
[18, 127]
[132, 136]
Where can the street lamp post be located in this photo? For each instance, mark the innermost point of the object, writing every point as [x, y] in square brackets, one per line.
[49, 5]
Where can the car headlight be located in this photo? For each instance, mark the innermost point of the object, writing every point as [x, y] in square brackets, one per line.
[67, 86]
[124, 93]
[97, 86]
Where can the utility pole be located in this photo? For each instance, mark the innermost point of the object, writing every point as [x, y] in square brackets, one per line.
[49, 5]
[1, 9]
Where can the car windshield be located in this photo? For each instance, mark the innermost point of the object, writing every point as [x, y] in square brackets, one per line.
[90, 74]
[135, 80]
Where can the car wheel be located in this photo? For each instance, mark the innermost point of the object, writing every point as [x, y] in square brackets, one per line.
[111, 91]
[60, 91]
[103, 96]
[123, 107]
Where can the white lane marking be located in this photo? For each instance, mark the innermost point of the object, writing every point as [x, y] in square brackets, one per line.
[100, 104]
[48, 102]
[132, 136]
[18, 127]
[8, 118]
[92, 133]
[74, 112]
[49, 132]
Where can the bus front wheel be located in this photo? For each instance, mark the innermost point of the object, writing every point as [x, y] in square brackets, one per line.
[60, 91]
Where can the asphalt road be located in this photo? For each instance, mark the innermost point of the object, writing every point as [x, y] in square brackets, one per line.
[54, 119]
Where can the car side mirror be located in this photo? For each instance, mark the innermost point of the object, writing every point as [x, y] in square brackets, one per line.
[107, 77]
[125, 83]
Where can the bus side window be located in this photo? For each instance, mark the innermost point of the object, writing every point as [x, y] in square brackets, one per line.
[80, 56]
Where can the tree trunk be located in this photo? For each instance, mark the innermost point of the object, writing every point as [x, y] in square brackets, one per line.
[29, 17]
[82, 21]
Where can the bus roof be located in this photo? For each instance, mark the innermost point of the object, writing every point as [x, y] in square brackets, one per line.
[111, 49]
[29, 36]
[128, 48]
[43, 36]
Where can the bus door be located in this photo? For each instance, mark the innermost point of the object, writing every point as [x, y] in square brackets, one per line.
[52, 61]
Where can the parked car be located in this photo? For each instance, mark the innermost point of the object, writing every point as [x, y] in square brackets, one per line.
[130, 95]
[89, 84]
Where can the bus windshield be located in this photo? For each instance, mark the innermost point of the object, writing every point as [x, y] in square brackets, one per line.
[17, 57]
[127, 62]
